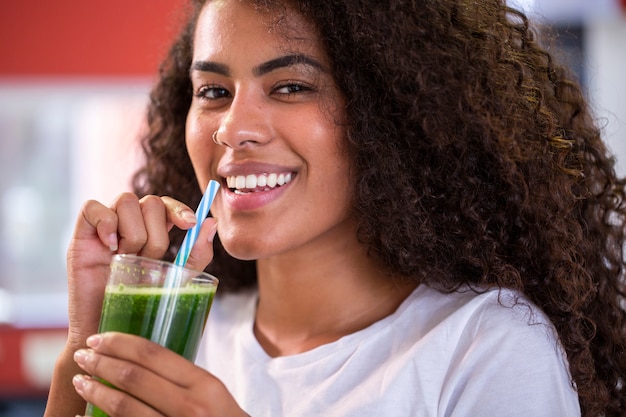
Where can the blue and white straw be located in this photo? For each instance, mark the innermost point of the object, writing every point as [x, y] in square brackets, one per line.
[201, 214]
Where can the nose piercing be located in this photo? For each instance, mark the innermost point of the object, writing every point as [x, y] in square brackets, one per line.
[217, 142]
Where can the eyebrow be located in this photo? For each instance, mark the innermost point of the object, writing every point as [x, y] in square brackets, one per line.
[264, 68]
[210, 66]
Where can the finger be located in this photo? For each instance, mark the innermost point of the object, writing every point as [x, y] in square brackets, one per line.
[99, 219]
[131, 228]
[129, 377]
[114, 402]
[154, 217]
[202, 251]
[179, 214]
[144, 380]
[159, 377]
[135, 349]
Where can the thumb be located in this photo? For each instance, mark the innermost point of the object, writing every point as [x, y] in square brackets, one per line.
[202, 251]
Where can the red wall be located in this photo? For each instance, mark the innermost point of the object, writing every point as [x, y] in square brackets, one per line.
[86, 37]
[23, 374]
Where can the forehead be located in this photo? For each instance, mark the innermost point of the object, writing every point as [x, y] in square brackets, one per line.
[236, 27]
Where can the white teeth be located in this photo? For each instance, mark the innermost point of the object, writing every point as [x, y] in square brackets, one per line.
[271, 180]
[261, 182]
[251, 181]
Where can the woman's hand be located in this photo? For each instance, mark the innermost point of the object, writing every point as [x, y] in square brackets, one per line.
[129, 225]
[153, 380]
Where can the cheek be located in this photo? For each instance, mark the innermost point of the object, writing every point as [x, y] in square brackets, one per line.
[334, 155]
[332, 166]
[196, 136]
[193, 132]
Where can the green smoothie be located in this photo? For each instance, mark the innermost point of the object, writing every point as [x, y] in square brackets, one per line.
[179, 315]
[135, 310]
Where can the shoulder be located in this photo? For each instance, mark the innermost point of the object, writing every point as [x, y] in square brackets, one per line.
[488, 325]
[479, 311]
[502, 352]
[492, 310]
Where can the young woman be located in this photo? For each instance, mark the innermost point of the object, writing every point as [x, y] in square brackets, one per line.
[417, 217]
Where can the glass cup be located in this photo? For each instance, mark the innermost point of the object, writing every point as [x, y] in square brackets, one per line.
[158, 300]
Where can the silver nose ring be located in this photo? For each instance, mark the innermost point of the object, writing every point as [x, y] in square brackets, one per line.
[217, 142]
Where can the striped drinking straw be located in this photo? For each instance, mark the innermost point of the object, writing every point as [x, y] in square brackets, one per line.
[201, 214]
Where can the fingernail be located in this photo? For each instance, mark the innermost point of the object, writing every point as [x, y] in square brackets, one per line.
[188, 216]
[113, 242]
[79, 382]
[80, 356]
[94, 340]
[212, 233]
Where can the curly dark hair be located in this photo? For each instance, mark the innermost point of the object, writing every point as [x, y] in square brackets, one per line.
[478, 160]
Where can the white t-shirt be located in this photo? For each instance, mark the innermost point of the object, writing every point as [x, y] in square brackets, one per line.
[453, 355]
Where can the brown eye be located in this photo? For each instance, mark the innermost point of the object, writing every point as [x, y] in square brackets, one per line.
[212, 92]
[292, 88]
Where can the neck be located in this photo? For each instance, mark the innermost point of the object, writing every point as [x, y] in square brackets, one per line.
[310, 300]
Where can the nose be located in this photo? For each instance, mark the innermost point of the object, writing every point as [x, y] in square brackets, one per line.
[247, 123]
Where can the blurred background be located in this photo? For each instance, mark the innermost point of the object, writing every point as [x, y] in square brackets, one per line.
[74, 79]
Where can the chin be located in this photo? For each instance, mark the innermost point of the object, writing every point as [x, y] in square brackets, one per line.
[245, 250]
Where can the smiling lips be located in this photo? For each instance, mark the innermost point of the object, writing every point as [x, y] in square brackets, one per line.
[245, 184]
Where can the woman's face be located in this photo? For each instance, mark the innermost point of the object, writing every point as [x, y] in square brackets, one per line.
[265, 86]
